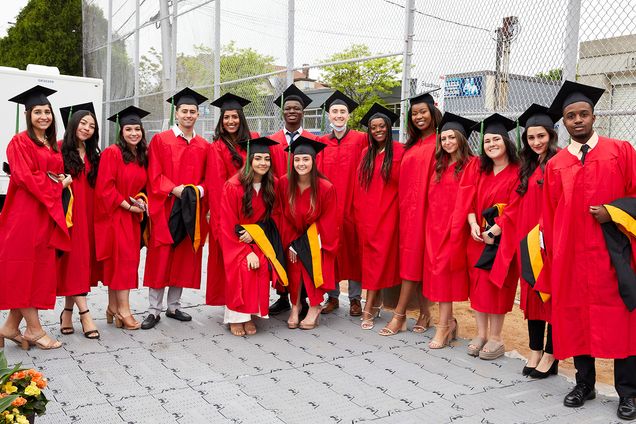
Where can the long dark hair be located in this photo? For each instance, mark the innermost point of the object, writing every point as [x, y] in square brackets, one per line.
[267, 188]
[365, 175]
[442, 159]
[73, 163]
[50, 133]
[415, 133]
[141, 154]
[530, 160]
[243, 134]
[511, 152]
[314, 174]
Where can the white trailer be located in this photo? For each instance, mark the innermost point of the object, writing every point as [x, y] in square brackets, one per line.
[71, 90]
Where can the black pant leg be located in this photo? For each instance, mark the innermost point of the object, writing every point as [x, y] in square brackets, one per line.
[585, 370]
[536, 330]
[625, 376]
[548, 342]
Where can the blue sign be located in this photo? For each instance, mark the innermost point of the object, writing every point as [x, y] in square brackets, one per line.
[463, 87]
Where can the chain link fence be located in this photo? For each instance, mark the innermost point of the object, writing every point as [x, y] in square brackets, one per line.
[490, 56]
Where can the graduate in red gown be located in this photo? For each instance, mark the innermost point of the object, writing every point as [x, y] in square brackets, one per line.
[309, 231]
[377, 210]
[78, 269]
[225, 158]
[119, 210]
[590, 318]
[485, 189]
[415, 171]
[292, 103]
[176, 162]
[439, 282]
[539, 141]
[339, 163]
[33, 225]
[246, 226]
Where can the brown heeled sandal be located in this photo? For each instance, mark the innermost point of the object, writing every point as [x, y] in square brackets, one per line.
[110, 316]
[66, 330]
[127, 323]
[449, 333]
[369, 323]
[37, 341]
[423, 323]
[16, 338]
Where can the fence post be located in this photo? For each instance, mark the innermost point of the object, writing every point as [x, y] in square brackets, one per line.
[109, 54]
[291, 6]
[409, 11]
[571, 47]
[217, 58]
[136, 58]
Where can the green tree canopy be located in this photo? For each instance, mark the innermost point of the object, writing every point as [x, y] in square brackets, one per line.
[551, 75]
[46, 32]
[362, 81]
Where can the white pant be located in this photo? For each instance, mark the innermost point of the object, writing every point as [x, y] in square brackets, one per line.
[155, 297]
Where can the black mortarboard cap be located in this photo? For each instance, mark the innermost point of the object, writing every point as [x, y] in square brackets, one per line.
[187, 96]
[376, 109]
[305, 146]
[572, 92]
[230, 101]
[339, 98]
[424, 97]
[496, 124]
[34, 96]
[538, 116]
[258, 145]
[293, 93]
[450, 121]
[130, 116]
[67, 111]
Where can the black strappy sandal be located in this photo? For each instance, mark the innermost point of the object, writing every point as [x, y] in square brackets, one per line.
[92, 334]
[66, 330]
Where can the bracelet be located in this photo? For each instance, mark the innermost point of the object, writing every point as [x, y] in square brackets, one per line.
[129, 207]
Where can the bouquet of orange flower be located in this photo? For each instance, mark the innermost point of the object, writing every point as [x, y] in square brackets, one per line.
[20, 393]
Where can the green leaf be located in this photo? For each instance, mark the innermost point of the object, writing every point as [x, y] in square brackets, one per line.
[5, 402]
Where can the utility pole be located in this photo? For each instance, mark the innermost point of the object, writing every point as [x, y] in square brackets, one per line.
[505, 35]
[571, 47]
[217, 56]
[291, 7]
[409, 11]
[166, 48]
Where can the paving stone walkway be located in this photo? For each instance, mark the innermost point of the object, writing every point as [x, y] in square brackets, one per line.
[197, 372]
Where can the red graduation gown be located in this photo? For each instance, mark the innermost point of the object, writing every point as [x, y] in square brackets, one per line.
[173, 161]
[377, 216]
[78, 269]
[219, 169]
[440, 283]
[119, 232]
[415, 172]
[246, 291]
[339, 163]
[477, 192]
[32, 227]
[588, 314]
[294, 224]
[279, 155]
[519, 217]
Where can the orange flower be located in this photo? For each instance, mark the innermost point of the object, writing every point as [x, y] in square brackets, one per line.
[41, 383]
[19, 402]
[18, 375]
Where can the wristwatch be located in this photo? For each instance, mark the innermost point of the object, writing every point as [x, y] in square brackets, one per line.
[490, 234]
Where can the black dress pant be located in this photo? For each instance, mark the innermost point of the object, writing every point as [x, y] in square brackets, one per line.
[536, 332]
[624, 374]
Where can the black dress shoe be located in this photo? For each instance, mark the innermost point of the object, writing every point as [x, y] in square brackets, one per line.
[554, 370]
[280, 306]
[526, 371]
[150, 321]
[579, 395]
[179, 315]
[626, 408]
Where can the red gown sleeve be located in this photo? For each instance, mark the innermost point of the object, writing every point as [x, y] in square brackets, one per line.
[215, 177]
[26, 174]
[465, 204]
[551, 196]
[108, 197]
[327, 223]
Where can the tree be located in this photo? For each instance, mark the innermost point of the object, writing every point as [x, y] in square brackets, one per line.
[551, 75]
[198, 71]
[46, 32]
[362, 81]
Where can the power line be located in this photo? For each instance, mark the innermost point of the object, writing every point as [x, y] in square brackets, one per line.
[448, 21]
